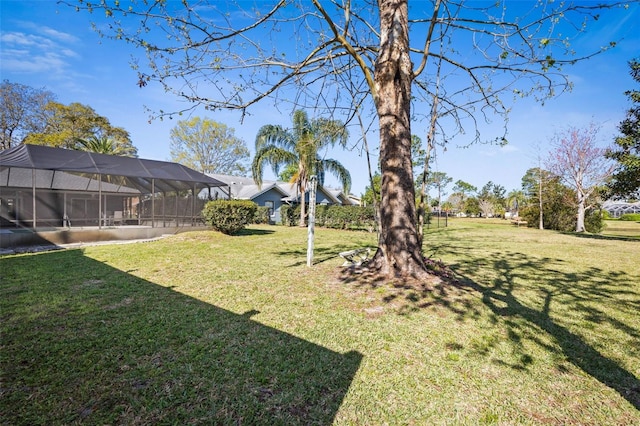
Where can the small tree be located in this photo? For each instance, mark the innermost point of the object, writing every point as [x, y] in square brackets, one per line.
[581, 164]
[534, 184]
[372, 194]
[208, 146]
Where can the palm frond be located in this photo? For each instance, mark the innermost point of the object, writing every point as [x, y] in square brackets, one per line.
[273, 156]
[338, 170]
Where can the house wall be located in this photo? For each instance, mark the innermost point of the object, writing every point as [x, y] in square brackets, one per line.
[273, 196]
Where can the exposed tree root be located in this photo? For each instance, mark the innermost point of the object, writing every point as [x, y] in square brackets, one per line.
[375, 273]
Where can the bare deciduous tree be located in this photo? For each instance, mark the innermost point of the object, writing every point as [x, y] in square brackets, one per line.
[21, 112]
[349, 56]
[578, 160]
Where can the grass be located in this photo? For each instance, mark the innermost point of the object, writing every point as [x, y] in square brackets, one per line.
[621, 228]
[203, 328]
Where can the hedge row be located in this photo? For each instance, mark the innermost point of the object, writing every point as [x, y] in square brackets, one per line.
[631, 217]
[334, 216]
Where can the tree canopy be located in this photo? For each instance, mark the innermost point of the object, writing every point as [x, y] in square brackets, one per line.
[208, 146]
[22, 111]
[64, 125]
[625, 182]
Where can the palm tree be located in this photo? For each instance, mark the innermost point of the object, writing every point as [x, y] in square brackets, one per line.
[105, 145]
[300, 147]
[516, 199]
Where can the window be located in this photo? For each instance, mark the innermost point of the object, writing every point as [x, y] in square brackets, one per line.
[269, 204]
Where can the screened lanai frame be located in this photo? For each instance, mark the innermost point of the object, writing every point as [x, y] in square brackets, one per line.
[51, 187]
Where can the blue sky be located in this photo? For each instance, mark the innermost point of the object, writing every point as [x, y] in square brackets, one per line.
[48, 45]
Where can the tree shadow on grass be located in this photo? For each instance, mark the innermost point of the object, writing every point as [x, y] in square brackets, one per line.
[252, 231]
[321, 254]
[584, 291]
[602, 237]
[539, 294]
[86, 343]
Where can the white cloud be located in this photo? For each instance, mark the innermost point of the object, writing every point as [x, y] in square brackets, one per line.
[509, 148]
[58, 35]
[33, 53]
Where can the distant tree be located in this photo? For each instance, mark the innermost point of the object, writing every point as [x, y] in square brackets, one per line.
[581, 164]
[498, 193]
[288, 172]
[301, 146]
[493, 194]
[558, 204]
[534, 184]
[456, 200]
[516, 199]
[21, 112]
[461, 193]
[464, 188]
[104, 145]
[486, 207]
[437, 181]
[65, 124]
[472, 206]
[625, 182]
[418, 153]
[208, 146]
[447, 207]
[368, 196]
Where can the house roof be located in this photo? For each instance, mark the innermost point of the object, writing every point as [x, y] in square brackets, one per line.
[144, 175]
[245, 188]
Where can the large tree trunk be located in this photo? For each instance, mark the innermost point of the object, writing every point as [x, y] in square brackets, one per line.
[399, 252]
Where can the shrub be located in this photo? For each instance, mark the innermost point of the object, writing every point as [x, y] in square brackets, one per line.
[631, 217]
[334, 216]
[229, 216]
[262, 215]
[593, 222]
[561, 217]
[289, 215]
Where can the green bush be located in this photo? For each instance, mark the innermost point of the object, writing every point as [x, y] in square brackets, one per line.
[631, 217]
[229, 216]
[289, 215]
[334, 216]
[262, 215]
[561, 217]
[594, 222]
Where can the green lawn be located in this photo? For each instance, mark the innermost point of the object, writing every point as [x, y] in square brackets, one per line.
[203, 328]
[622, 228]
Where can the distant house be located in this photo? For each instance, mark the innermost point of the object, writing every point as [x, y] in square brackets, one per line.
[275, 194]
